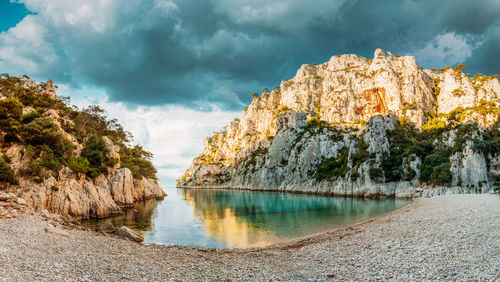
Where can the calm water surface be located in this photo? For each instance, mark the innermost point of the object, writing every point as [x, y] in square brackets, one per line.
[243, 219]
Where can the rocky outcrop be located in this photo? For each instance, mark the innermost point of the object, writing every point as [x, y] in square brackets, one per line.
[44, 88]
[82, 197]
[11, 206]
[330, 111]
[40, 174]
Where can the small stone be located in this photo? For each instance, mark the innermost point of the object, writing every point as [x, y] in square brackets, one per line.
[53, 223]
[68, 218]
[21, 201]
[107, 227]
[14, 213]
[128, 233]
[56, 231]
[44, 213]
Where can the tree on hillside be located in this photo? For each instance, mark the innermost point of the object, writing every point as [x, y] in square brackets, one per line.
[460, 67]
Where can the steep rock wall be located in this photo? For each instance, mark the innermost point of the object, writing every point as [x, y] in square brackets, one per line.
[261, 151]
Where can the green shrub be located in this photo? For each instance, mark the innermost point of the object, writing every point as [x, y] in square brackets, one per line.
[334, 166]
[376, 173]
[441, 174]
[29, 117]
[405, 144]
[10, 108]
[361, 154]
[433, 167]
[6, 173]
[43, 131]
[138, 161]
[316, 122]
[78, 164]
[95, 153]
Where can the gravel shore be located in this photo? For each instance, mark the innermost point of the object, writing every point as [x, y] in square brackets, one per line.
[455, 237]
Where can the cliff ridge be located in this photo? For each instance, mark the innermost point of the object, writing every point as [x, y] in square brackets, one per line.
[361, 127]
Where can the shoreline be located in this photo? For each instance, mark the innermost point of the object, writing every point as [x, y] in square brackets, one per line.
[409, 191]
[342, 253]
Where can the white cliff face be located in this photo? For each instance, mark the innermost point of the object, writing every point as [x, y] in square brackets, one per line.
[469, 169]
[375, 134]
[295, 146]
[268, 149]
[458, 90]
[350, 88]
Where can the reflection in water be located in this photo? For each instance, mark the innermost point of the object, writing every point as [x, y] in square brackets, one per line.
[139, 218]
[251, 219]
[242, 219]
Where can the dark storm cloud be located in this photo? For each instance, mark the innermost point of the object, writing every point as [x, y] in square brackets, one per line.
[219, 51]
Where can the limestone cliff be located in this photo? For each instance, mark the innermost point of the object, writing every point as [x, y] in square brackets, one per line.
[64, 160]
[339, 128]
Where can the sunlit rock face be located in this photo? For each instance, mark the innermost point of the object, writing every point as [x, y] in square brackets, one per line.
[68, 193]
[350, 88]
[272, 147]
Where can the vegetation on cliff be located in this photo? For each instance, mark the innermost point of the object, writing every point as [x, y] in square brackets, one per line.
[54, 135]
[432, 128]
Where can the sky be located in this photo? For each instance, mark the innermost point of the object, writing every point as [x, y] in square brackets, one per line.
[174, 71]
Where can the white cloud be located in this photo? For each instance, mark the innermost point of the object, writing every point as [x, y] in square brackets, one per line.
[282, 15]
[445, 49]
[173, 134]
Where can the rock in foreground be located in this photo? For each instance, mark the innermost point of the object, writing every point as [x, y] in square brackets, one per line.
[128, 233]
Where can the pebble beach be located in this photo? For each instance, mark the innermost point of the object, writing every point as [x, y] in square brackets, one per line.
[453, 237]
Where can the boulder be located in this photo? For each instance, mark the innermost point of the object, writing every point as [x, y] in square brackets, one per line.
[128, 233]
[107, 227]
[21, 201]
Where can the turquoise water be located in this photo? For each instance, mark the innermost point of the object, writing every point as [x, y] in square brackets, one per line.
[243, 219]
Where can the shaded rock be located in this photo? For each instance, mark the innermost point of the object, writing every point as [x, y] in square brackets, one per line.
[81, 197]
[128, 233]
[107, 227]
